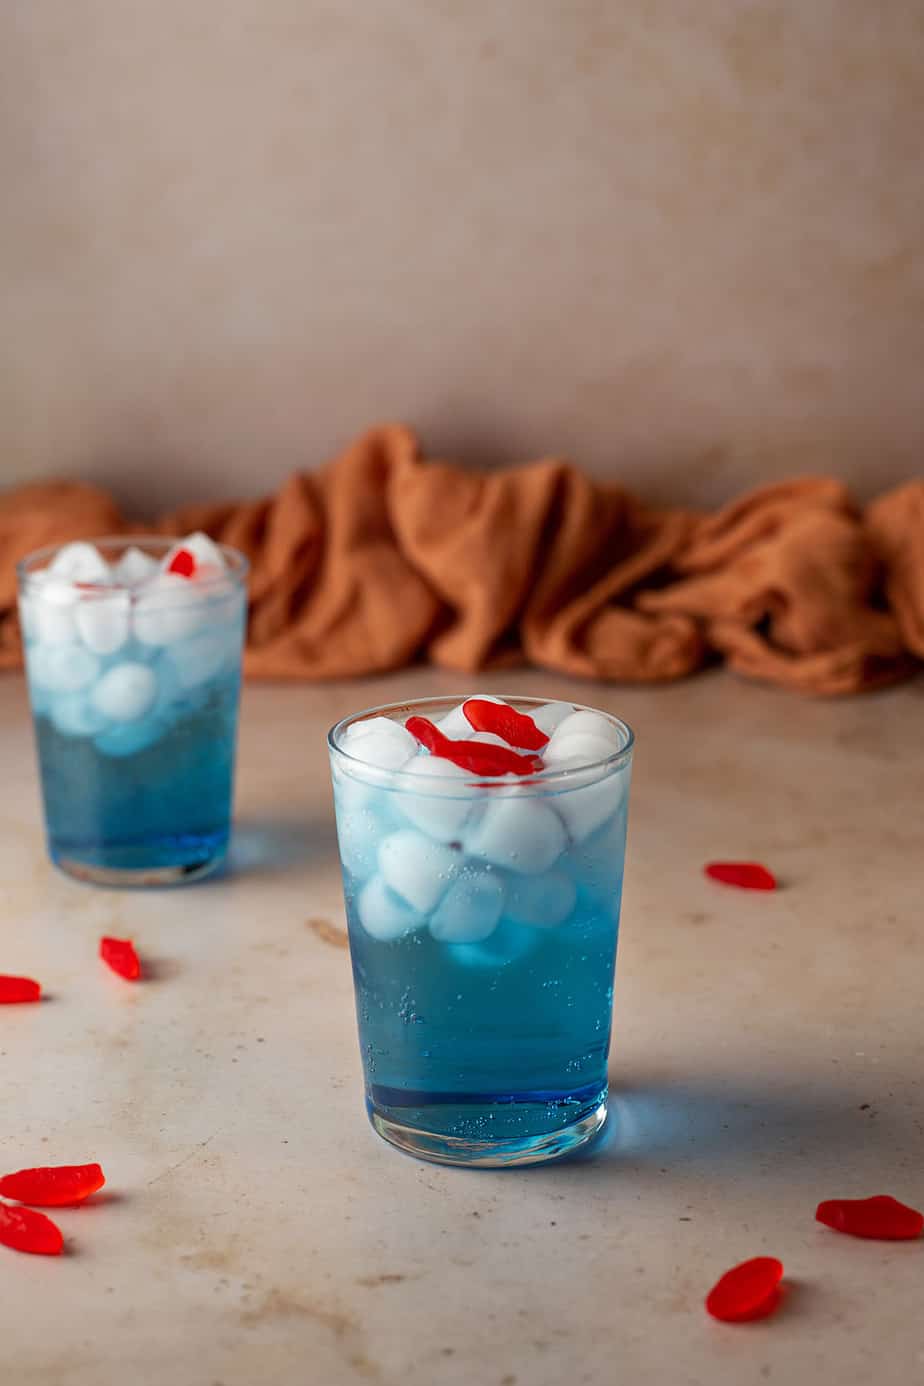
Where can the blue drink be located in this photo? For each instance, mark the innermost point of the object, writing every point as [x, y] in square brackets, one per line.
[483, 917]
[134, 689]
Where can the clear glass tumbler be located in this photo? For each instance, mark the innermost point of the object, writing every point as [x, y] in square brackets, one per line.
[134, 680]
[483, 917]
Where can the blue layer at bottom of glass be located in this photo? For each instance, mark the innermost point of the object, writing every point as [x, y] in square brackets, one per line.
[161, 811]
[491, 1052]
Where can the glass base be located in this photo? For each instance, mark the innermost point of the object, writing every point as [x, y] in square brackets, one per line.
[443, 1149]
[133, 878]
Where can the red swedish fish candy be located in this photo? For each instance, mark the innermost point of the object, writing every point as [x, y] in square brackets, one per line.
[15, 990]
[746, 1292]
[477, 757]
[746, 875]
[881, 1218]
[514, 727]
[120, 955]
[182, 564]
[55, 1186]
[24, 1230]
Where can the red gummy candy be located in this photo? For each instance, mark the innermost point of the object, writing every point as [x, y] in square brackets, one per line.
[746, 1292]
[514, 727]
[478, 757]
[183, 563]
[14, 990]
[24, 1230]
[746, 875]
[881, 1218]
[53, 1186]
[120, 955]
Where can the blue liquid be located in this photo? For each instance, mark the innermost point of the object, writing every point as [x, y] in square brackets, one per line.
[147, 796]
[501, 1040]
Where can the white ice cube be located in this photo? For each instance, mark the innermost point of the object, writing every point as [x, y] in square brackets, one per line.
[128, 738]
[456, 725]
[74, 715]
[520, 833]
[126, 692]
[490, 739]
[103, 622]
[541, 901]
[134, 568]
[578, 749]
[550, 715]
[206, 655]
[50, 607]
[470, 909]
[203, 549]
[380, 742]
[359, 834]
[417, 868]
[435, 811]
[586, 807]
[169, 609]
[62, 668]
[581, 738]
[383, 914]
[597, 861]
[80, 563]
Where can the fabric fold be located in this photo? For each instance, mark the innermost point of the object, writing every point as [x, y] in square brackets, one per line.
[383, 557]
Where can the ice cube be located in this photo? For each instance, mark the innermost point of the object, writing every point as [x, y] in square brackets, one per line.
[169, 609]
[128, 738]
[548, 717]
[50, 607]
[508, 944]
[359, 834]
[380, 742]
[417, 868]
[456, 725]
[126, 692]
[206, 655]
[436, 812]
[73, 714]
[541, 901]
[80, 563]
[470, 909]
[383, 914]
[597, 861]
[134, 568]
[204, 550]
[490, 739]
[572, 752]
[520, 833]
[103, 622]
[585, 807]
[581, 739]
[62, 668]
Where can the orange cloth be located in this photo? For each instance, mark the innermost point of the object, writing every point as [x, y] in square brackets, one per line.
[382, 557]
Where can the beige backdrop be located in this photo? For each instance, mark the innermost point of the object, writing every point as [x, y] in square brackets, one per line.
[677, 239]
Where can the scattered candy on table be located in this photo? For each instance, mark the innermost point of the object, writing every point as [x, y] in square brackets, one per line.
[746, 875]
[881, 1218]
[120, 955]
[21, 1229]
[16, 990]
[748, 1291]
[53, 1186]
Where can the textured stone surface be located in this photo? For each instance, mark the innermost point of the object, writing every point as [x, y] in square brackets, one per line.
[768, 1053]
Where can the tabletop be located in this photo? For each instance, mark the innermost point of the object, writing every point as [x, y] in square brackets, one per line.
[768, 1053]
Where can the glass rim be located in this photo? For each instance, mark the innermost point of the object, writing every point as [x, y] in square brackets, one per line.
[566, 777]
[27, 571]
